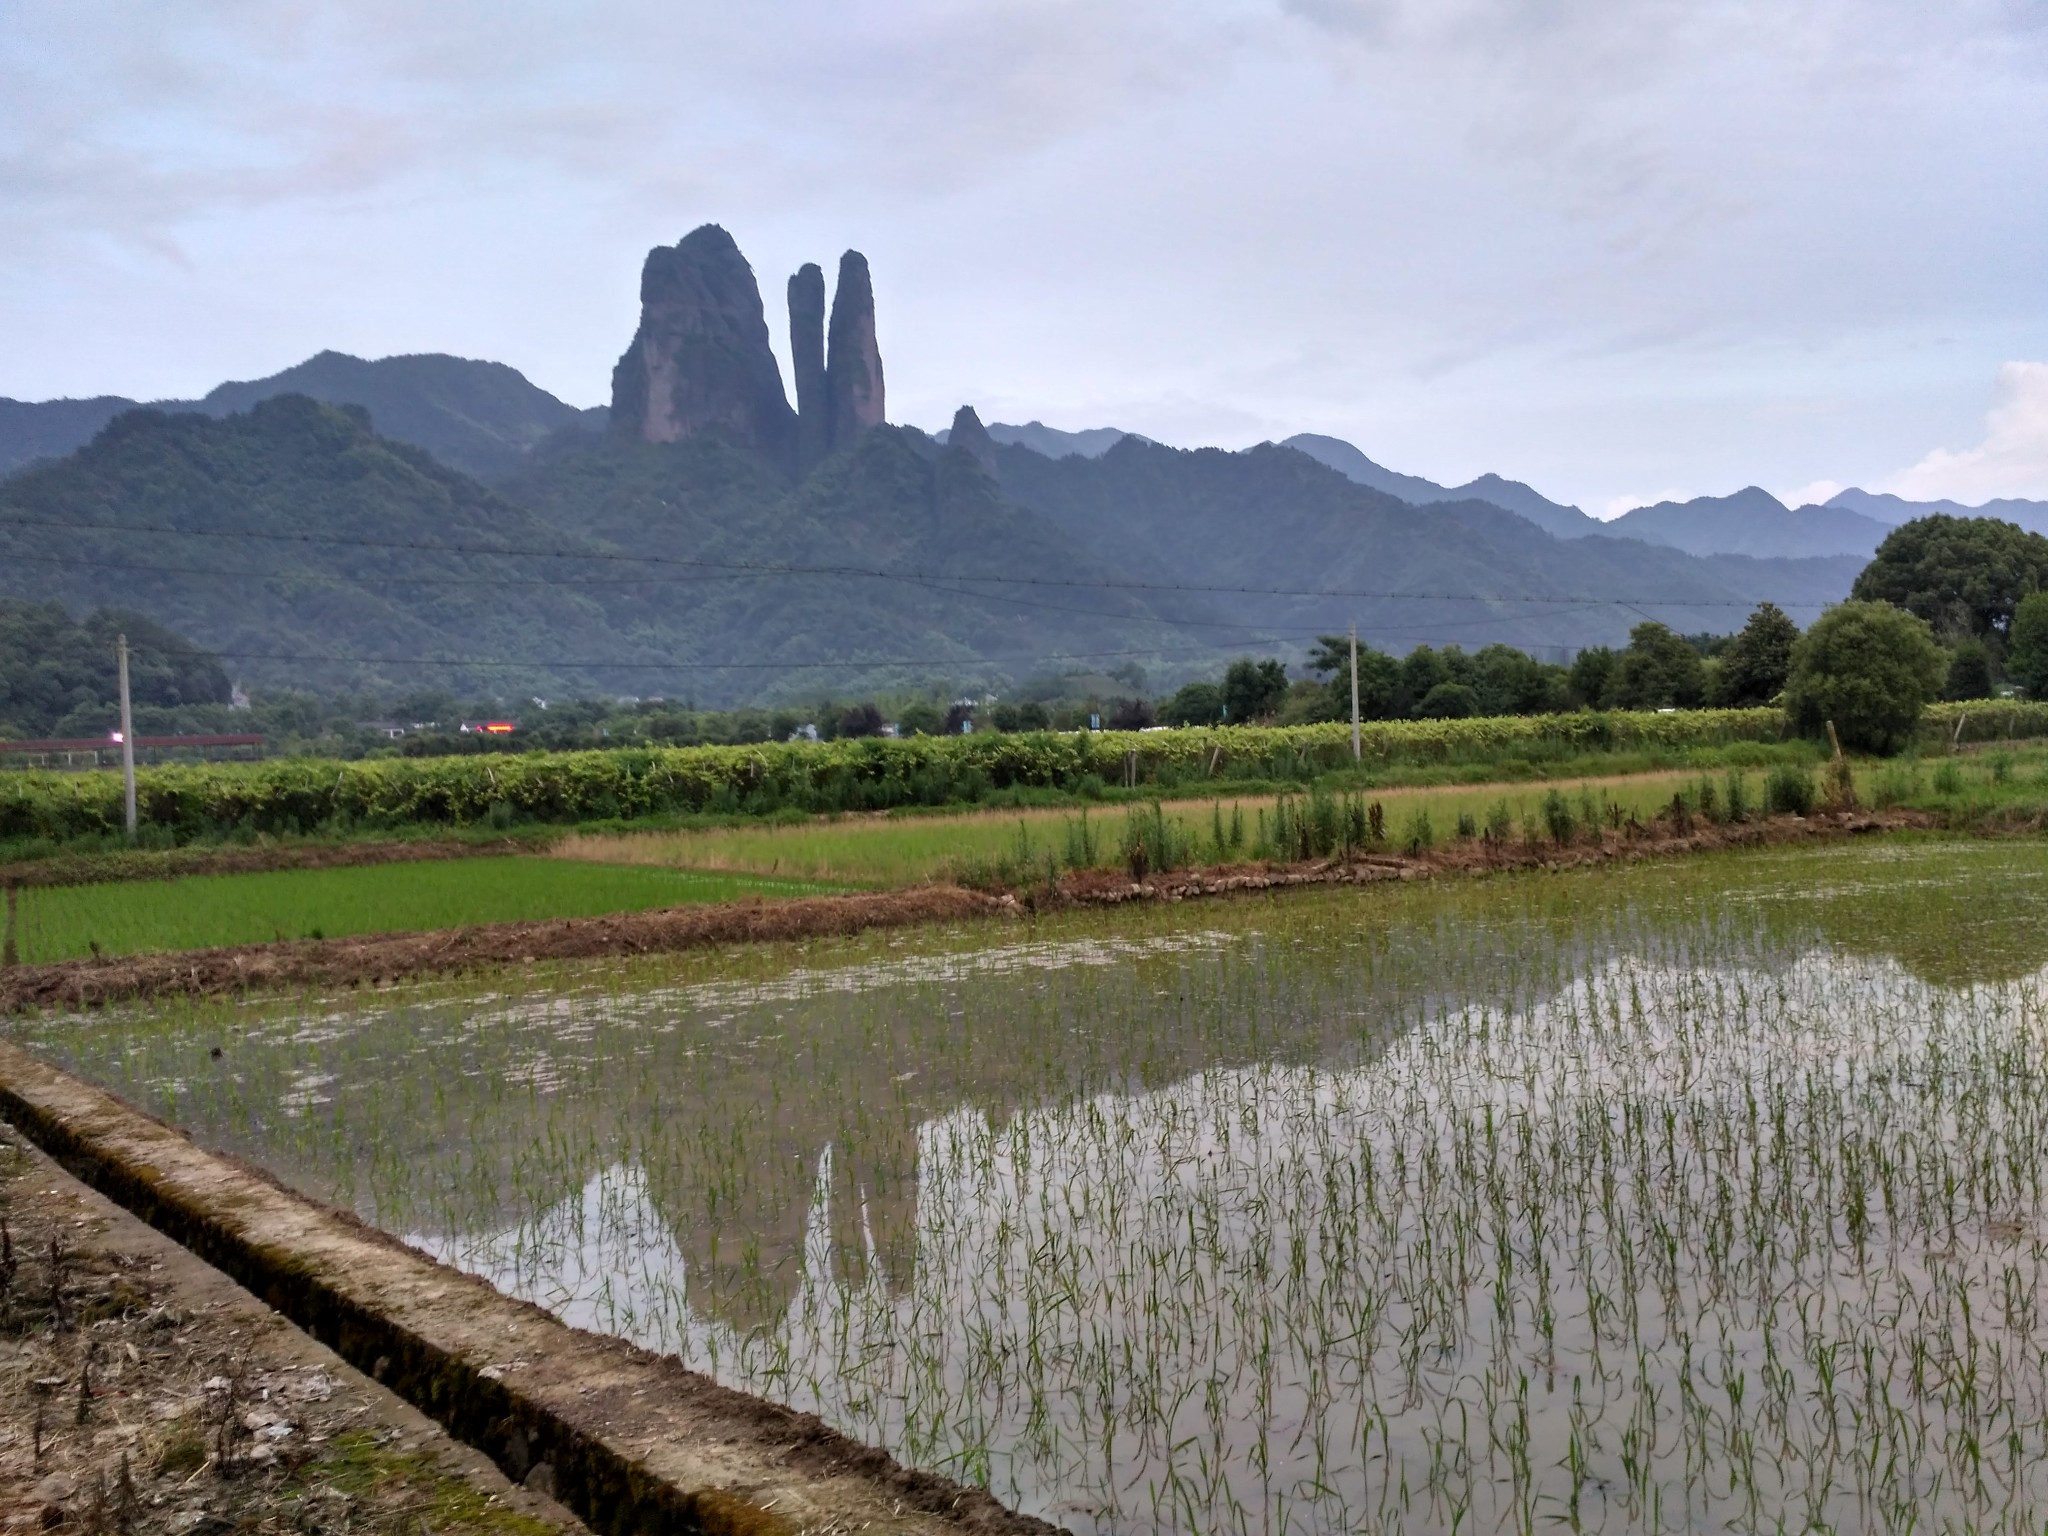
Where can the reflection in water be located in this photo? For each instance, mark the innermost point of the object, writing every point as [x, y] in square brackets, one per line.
[1630, 1201]
[1676, 1249]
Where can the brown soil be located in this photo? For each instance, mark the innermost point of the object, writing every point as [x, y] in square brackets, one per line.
[200, 1410]
[380, 958]
[260, 858]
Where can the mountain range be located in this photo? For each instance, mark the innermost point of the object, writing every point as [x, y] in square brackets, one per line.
[435, 519]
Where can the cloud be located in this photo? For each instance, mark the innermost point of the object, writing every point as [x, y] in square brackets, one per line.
[1815, 494]
[1589, 245]
[2011, 461]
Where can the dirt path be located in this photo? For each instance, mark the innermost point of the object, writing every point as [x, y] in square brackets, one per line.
[381, 958]
[146, 1394]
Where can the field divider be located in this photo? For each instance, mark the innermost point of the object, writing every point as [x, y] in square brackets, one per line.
[373, 959]
[628, 1440]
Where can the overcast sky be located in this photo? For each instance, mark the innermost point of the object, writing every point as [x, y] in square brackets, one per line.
[1621, 249]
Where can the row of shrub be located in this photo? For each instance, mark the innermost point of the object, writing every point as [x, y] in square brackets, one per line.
[294, 796]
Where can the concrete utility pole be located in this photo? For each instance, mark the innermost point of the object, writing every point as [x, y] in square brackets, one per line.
[1355, 753]
[127, 737]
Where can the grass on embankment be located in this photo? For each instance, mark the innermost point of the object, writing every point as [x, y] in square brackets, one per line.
[893, 850]
[134, 917]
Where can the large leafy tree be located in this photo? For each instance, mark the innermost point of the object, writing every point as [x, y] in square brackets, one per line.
[1868, 667]
[1963, 575]
[1659, 670]
[1591, 678]
[1252, 690]
[1379, 679]
[1757, 661]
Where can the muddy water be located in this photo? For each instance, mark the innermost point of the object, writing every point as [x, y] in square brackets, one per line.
[1703, 1196]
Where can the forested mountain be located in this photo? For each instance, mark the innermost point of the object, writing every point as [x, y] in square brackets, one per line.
[246, 574]
[481, 418]
[705, 605]
[307, 549]
[1271, 517]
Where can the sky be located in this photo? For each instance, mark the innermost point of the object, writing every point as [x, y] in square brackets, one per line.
[1624, 250]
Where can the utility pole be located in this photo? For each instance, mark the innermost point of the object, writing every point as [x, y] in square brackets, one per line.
[1355, 753]
[127, 738]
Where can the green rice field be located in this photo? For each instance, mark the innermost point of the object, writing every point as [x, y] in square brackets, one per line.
[131, 917]
[1708, 1195]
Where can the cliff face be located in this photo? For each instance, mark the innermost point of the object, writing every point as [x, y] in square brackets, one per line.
[853, 371]
[701, 359]
[807, 358]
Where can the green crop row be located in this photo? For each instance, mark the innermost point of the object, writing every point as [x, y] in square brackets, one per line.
[302, 795]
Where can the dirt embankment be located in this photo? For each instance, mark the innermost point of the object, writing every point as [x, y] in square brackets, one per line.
[389, 957]
[380, 958]
[143, 1393]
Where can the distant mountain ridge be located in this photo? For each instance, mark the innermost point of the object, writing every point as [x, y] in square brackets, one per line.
[479, 417]
[1512, 495]
[1892, 510]
[1750, 522]
[1089, 443]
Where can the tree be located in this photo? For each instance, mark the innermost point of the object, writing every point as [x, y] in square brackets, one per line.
[921, 719]
[1448, 701]
[1252, 690]
[1755, 664]
[1591, 678]
[861, 720]
[1194, 704]
[1659, 670]
[1969, 671]
[1963, 575]
[1129, 715]
[1512, 682]
[53, 669]
[2026, 646]
[1868, 667]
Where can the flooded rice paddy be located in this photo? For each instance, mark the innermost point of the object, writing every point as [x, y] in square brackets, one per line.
[1702, 1196]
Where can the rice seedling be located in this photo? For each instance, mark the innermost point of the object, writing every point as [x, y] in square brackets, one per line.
[1668, 1197]
[129, 917]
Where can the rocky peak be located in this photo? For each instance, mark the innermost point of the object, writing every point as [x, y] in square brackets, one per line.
[807, 358]
[970, 435]
[853, 368]
[701, 359]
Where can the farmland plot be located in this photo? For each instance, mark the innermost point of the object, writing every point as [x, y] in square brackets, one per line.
[1697, 1196]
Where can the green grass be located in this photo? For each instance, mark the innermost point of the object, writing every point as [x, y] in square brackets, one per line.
[67, 922]
[901, 850]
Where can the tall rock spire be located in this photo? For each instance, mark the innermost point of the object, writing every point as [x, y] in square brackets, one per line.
[701, 359]
[971, 437]
[807, 357]
[853, 372]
